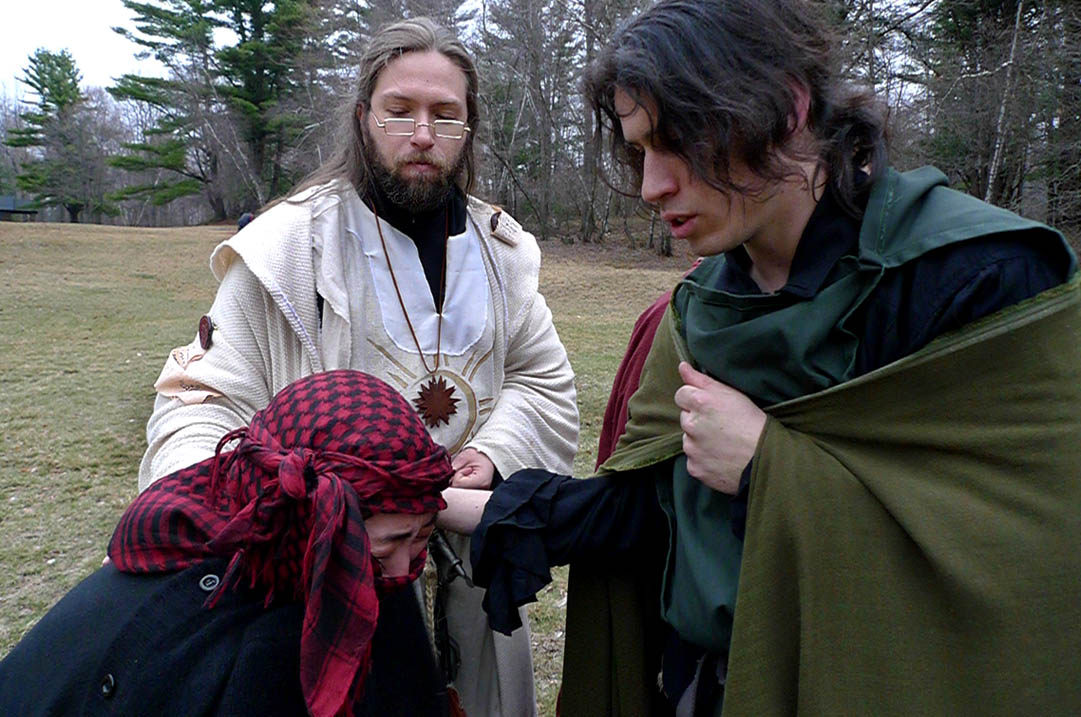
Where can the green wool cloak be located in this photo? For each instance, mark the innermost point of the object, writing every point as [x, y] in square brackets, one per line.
[914, 538]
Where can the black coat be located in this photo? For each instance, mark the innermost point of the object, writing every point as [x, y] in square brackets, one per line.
[145, 645]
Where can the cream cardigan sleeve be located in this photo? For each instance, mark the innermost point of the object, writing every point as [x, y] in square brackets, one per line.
[534, 423]
[205, 394]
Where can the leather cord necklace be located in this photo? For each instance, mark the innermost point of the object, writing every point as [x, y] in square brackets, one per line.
[435, 401]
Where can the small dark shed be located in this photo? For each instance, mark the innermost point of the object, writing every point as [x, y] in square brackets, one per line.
[12, 208]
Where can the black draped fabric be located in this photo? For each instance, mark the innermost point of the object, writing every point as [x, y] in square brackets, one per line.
[537, 519]
[122, 643]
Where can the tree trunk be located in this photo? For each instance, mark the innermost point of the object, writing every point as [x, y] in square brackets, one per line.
[591, 143]
[1000, 139]
[217, 204]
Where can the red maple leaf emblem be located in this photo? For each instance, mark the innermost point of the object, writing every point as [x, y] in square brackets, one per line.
[435, 402]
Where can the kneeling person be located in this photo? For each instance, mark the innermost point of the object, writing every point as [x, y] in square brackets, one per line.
[264, 580]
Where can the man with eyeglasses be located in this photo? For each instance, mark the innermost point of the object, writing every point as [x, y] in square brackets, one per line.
[381, 261]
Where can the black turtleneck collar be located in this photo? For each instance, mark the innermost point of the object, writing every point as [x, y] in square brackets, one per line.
[428, 230]
[417, 225]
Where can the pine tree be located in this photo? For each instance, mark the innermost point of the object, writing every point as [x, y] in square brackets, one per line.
[223, 128]
[177, 157]
[67, 169]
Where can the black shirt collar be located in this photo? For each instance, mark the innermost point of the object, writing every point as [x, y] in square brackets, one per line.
[830, 234]
[420, 226]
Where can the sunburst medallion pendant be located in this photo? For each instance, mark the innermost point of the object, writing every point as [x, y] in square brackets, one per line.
[435, 402]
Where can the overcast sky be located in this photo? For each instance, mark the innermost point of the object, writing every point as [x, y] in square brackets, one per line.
[83, 27]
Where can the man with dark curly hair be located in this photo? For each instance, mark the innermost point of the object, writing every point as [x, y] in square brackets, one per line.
[852, 468]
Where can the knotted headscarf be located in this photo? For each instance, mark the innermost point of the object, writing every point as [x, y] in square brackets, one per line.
[287, 506]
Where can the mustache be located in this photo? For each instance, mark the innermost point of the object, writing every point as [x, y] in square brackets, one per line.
[421, 158]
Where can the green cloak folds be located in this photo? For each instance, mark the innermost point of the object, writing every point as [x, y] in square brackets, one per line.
[914, 538]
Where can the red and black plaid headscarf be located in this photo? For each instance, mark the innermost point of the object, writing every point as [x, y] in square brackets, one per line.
[287, 505]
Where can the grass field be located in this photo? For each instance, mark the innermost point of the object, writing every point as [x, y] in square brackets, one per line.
[87, 316]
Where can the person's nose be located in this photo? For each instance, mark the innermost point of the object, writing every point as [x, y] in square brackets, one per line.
[396, 564]
[423, 136]
[659, 181]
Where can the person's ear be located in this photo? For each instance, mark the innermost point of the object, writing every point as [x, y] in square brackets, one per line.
[360, 113]
[801, 107]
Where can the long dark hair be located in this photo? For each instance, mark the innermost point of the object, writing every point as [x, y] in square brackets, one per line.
[349, 161]
[723, 78]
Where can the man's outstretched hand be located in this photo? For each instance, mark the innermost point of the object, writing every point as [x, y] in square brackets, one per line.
[721, 428]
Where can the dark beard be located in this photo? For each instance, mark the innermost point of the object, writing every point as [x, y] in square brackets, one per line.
[414, 195]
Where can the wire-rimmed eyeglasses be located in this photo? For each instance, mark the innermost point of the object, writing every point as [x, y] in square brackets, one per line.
[406, 126]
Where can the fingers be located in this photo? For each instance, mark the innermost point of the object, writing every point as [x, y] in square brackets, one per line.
[462, 459]
[689, 423]
[692, 377]
[469, 480]
[463, 469]
[697, 466]
[698, 389]
[472, 469]
[686, 398]
[689, 450]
